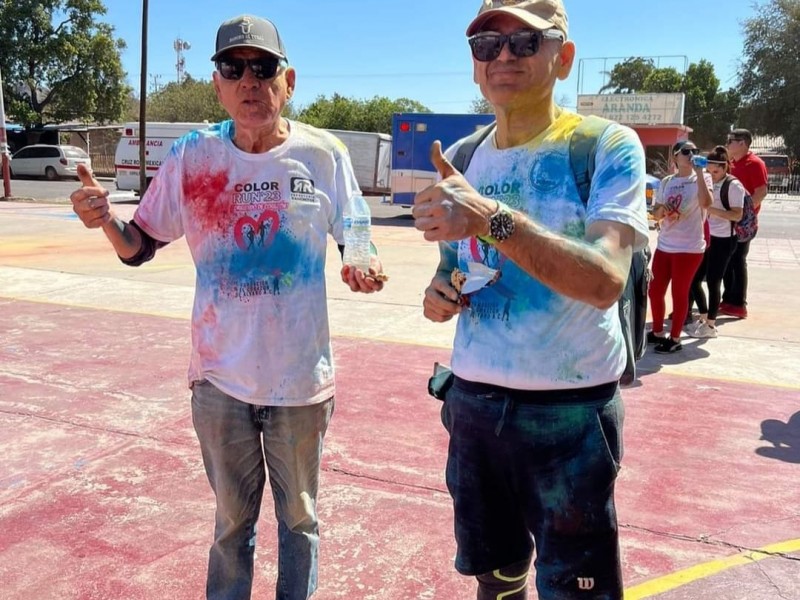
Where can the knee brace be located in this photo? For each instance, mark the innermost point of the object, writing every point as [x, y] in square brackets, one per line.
[508, 583]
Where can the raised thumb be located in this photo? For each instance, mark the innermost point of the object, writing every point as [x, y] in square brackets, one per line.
[87, 177]
[440, 163]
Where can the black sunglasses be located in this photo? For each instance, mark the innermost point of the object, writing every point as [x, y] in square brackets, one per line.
[263, 67]
[487, 45]
[688, 151]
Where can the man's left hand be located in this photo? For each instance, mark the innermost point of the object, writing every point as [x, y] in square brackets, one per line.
[365, 283]
[451, 209]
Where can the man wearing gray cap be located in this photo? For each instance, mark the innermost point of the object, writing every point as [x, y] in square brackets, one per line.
[254, 197]
[533, 411]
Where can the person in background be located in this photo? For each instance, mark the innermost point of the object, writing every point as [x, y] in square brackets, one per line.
[752, 172]
[534, 414]
[723, 239]
[680, 208]
[261, 369]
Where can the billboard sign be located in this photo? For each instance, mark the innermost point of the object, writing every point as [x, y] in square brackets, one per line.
[634, 109]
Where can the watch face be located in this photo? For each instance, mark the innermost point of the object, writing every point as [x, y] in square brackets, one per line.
[502, 225]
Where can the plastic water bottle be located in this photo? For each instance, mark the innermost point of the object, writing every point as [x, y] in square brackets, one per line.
[700, 162]
[357, 222]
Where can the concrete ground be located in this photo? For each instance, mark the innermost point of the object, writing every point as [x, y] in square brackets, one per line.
[103, 494]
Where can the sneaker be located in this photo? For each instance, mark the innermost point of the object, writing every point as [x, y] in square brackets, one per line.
[653, 338]
[740, 312]
[703, 330]
[669, 346]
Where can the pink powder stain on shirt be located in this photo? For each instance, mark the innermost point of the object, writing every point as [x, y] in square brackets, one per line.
[211, 208]
[206, 322]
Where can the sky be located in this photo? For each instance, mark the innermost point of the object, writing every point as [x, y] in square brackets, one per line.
[417, 49]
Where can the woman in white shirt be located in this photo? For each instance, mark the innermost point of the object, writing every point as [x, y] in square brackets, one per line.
[680, 207]
[721, 221]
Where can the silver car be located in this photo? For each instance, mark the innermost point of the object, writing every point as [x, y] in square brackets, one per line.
[52, 162]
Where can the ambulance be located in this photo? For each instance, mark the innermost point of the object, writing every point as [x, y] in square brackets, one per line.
[160, 137]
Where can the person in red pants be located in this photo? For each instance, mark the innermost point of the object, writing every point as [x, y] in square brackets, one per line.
[680, 208]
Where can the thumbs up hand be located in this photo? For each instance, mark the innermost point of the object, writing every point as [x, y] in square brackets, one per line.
[90, 202]
[450, 209]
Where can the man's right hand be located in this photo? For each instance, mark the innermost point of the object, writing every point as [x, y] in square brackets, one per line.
[90, 202]
[441, 300]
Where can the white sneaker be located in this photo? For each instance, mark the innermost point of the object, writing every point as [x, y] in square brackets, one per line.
[704, 330]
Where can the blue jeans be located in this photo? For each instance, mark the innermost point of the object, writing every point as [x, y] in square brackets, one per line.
[235, 439]
[537, 467]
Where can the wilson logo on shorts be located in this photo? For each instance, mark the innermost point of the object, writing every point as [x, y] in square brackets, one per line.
[585, 583]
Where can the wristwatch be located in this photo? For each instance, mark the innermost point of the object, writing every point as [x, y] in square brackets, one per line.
[501, 225]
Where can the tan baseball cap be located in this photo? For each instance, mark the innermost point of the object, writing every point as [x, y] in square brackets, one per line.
[539, 14]
[247, 31]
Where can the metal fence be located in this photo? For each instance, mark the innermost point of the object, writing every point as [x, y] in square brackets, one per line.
[784, 184]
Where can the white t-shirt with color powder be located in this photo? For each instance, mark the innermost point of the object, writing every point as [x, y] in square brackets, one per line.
[257, 227]
[682, 228]
[517, 332]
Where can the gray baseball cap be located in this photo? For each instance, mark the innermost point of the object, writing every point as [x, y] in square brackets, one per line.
[247, 31]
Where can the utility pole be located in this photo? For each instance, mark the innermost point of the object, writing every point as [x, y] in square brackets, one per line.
[181, 45]
[4, 145]
[143, 106]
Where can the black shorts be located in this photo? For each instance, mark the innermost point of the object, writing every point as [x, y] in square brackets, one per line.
[527, 467]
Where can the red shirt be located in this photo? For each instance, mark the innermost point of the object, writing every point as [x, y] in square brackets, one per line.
[751, 171]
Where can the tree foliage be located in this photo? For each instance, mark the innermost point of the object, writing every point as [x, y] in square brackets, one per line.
[709, 111]
[349, 114]
[59, 63]
[188, 101]
[480, 106]
[770, 71]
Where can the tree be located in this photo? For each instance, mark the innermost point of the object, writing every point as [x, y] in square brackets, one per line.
[188, 101]
[59, 63]
[350, 114]
[480, 106]
[770, 71]
[629, 76]
[707, 110]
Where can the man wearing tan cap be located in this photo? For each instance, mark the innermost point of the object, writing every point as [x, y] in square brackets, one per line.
[254, 197]
[534, 411]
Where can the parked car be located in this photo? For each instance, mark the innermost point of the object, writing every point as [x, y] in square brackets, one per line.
[778, 171]
[52, 162]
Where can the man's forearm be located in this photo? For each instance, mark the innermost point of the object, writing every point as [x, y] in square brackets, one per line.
[758, 195]
[126, 240]
[573, 268]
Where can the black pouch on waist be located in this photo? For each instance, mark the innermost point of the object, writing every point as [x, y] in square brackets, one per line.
[441, 381]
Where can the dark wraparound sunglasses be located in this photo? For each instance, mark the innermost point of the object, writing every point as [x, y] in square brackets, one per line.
[688, 151]
[487, 45]
[263, 67]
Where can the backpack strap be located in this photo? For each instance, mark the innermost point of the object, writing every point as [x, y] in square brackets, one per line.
[723, 197]
[582, 151]
[467, 147]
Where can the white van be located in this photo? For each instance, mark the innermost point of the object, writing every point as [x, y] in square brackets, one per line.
[160, 137]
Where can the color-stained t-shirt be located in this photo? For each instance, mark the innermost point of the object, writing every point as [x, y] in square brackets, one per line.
[256, 226]
[682, 228]
[517, 332]
[720, 227]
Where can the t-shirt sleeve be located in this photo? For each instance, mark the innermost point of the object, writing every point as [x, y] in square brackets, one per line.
[159, 212]
[618, 184]
[736, 194]
[345, 185]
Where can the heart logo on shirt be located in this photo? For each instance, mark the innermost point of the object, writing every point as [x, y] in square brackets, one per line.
[250, 233]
